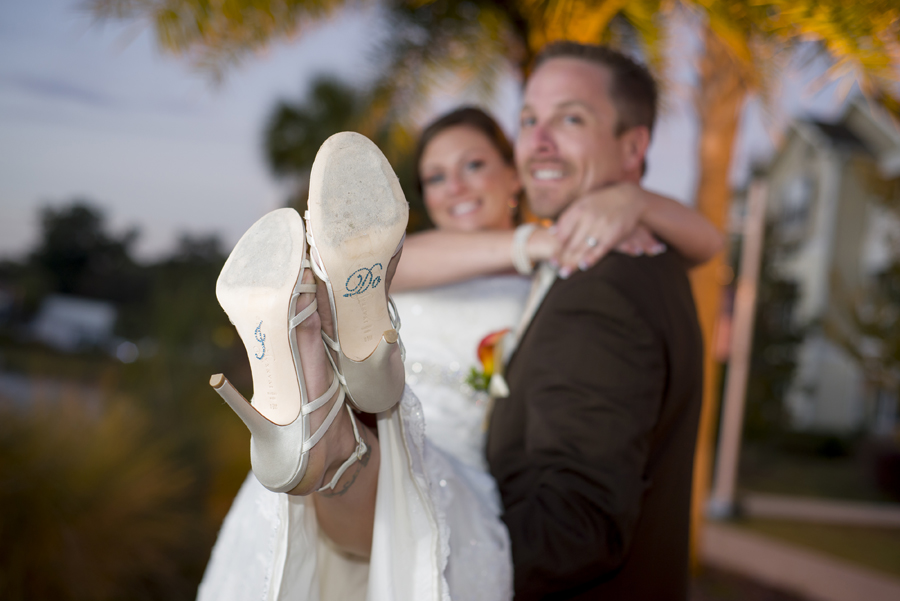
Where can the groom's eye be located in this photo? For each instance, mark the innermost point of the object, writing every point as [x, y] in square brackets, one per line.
[527, 122]
[573, 120]
[474, 165]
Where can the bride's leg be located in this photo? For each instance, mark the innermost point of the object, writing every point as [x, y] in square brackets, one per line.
[345, 514]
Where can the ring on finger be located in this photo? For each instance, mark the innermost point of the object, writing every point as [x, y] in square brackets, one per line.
[591, 242]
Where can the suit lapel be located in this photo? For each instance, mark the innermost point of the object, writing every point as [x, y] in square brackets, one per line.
[541, 282]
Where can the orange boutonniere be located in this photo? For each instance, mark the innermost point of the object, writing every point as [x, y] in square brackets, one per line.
[490, 354]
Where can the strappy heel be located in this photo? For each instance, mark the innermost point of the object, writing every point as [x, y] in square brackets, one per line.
[258, 288]
[356, 224]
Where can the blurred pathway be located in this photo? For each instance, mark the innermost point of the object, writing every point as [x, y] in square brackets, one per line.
[793, 569]
[711, 584]
[821, 511]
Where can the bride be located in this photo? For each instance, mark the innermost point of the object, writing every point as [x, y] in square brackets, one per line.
[429, 518]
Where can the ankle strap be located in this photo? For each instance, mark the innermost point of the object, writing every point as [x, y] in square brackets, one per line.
[358, 454]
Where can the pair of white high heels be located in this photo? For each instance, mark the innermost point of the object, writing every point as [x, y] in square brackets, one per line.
[354, 226]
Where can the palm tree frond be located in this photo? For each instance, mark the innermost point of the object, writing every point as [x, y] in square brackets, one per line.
[217, 35]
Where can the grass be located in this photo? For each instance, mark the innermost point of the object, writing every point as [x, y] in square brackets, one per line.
[712, 584]
[875, 548]
[767, 468]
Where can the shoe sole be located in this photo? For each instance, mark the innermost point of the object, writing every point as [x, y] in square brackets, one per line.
[358, 214]
[255, 288]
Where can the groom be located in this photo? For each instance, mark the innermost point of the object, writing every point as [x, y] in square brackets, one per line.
[593, 448]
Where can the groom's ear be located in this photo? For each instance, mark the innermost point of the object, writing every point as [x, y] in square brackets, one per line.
[634, 143]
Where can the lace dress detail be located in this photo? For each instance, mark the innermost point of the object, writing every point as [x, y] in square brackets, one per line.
[441, 330]
[437, 532]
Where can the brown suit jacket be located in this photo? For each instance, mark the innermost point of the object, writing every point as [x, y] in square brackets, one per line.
[593, 449]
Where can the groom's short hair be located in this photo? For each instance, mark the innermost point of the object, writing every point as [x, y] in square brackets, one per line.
[632, 88]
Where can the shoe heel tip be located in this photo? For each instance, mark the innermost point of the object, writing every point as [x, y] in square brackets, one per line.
[391, 336]
[217, 380]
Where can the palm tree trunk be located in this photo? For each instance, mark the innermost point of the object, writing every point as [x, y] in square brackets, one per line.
[721, 96]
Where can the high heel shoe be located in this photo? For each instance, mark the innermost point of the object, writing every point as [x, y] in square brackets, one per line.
[258, 288]
[356, 224]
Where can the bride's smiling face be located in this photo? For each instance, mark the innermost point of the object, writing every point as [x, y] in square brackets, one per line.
[467, 185]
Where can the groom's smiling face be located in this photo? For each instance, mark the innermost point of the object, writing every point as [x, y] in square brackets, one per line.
[569, 142]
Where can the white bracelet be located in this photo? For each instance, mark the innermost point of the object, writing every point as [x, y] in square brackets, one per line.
[519, 255]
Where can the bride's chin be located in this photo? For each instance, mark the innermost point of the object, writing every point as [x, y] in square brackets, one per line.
[464, 223]
[477, 221]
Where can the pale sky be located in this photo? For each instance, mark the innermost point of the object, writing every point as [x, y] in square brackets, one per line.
[98, 112]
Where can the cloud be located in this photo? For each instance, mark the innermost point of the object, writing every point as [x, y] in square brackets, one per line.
[57, 89]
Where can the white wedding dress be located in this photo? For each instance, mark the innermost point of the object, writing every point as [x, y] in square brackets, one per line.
[437, 532]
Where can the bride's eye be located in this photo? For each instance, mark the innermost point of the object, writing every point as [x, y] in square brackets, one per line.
[433, 180]
[474, 165]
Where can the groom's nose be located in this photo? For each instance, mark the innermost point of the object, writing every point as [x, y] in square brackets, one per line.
[539, 141]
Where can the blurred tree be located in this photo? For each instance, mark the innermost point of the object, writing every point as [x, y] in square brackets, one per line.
[295, 130]
[875, 337]
[179, 309]
[874, 340]
[76, 255]
[184, 336]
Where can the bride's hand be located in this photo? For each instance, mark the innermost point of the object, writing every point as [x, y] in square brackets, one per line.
[597, 223]
[641, 242]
